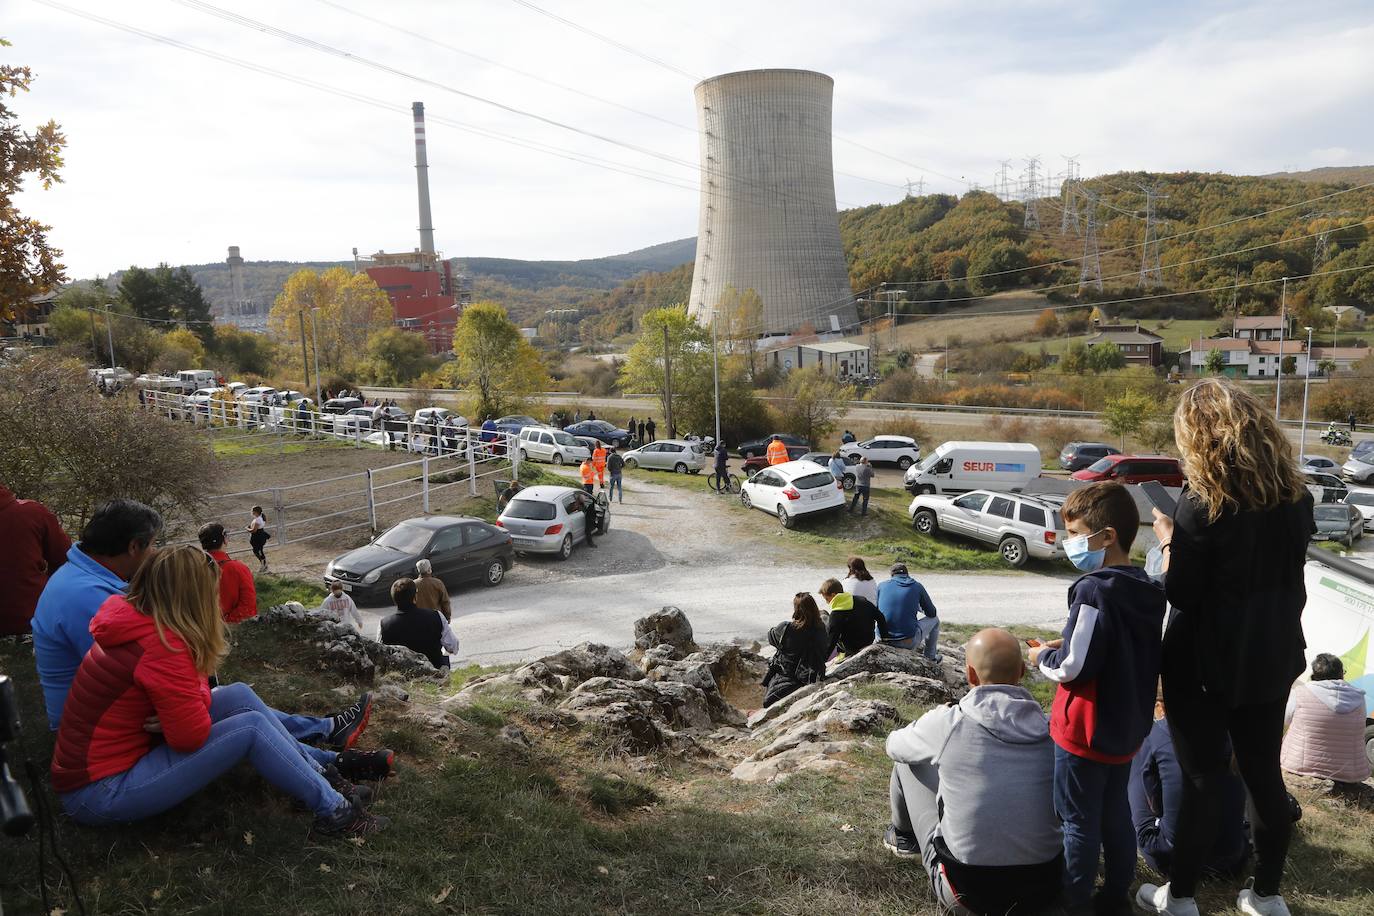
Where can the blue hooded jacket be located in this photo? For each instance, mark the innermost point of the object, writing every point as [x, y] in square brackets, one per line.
[900, 600]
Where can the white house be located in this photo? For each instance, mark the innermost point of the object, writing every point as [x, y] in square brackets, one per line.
[838, 358]
[1261, 327]
[1340, 311]
[1247, 358]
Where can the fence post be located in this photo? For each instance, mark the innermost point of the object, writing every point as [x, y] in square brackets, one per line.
[514, 452]
[279, 508]
[358, 439]
[371, 504]
[424, 481]
[472, 463]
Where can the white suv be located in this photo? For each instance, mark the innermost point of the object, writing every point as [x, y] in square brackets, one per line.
[1020, 527]
[544, 443]
[899, 450]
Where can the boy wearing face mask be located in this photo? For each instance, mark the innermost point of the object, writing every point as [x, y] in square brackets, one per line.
[1106, 666]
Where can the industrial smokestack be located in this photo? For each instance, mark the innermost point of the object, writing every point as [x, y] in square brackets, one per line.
[422, 179]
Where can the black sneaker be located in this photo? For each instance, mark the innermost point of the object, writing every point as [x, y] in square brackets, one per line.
[902, 845]
[1104, 905]
[339, 783]
[366, 766]
[346, 726]
[351, 820]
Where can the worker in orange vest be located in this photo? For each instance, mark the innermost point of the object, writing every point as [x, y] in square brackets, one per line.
[588, 475]
[599, 461]
[777, 452]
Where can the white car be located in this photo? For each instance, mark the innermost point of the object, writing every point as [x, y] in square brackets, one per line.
[259, 395]
[1359, 468]
[1364, 501]
[1020, 527]
[899, 450]
[792, 490]
[678, 455]
[202, 397]
[1319, 463]
[439, 415]
[544, 443]
[236, 388]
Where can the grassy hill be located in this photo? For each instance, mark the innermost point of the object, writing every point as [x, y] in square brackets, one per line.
[1333, 174]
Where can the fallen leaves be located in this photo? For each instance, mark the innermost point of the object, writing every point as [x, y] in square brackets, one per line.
[442, 895]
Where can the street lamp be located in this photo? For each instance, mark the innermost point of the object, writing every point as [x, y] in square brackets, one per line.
[315, 343]
[1306, 381]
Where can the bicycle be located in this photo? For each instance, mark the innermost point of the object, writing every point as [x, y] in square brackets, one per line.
[727, 484]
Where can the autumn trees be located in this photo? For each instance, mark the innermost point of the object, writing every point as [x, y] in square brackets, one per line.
[351, 309]
[498, 366]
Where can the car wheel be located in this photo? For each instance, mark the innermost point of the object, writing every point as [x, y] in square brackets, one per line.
[496, 571]
[849, 481]
[1013, 550]
[925, 490]
[924, 521]
[1369, 742]
[558, 459]
[679, 468]
[565, 548]
[631, 463]
[784, 518]
[904, 462]
[744, 499]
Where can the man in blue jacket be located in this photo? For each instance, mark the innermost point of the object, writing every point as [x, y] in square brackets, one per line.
[902, 601]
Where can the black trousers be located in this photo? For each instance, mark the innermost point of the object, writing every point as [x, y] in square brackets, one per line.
[1199, 726]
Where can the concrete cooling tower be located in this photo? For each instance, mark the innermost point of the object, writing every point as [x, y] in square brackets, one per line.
[768, 219]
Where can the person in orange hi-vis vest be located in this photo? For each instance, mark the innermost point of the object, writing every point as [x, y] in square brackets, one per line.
[588, 475]
[599, 461]
[777, 452]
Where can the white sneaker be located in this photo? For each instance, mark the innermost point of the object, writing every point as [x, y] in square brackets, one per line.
[1252, 904]
[1157, 899]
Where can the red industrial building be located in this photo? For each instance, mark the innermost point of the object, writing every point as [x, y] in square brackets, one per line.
[425, 295]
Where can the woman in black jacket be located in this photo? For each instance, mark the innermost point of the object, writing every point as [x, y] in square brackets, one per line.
[1234, 554]
[802, 646]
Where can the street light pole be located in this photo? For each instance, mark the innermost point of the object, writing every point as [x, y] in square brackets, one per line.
[1306, 381]
[715, 371]
[1283, 328]
[315, 343]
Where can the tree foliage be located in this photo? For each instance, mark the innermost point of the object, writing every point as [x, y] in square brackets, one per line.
[1125, 414]
[814, 401]
[1215, 363]
[667, 337]
[351, 309]
[1046, 324]
[1105, 356]
[398, 357]
[494, 362]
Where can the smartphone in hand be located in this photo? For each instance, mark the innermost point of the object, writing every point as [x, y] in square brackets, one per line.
[1033, 642]
[1159, 497]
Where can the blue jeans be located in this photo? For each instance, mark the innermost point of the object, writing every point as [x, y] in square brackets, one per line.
[617, 484]
[859, 492]
[303, 728]
[927, 637]
[1091, 801]
[242, 727]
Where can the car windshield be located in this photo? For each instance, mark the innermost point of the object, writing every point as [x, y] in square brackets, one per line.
[812, 481]
[563, 438]
[1363, 449]
[1332, 513]
[405, 537]
[598, 424]
[531, 509]
[1361, 499]
[1098, 467]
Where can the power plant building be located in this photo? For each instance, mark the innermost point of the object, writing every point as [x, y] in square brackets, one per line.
[768, 220]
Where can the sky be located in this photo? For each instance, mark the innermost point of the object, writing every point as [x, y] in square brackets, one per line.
[174, 155]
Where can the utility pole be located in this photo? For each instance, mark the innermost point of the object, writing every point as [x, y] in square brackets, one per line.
[305, 359]
[1069, 211]
[1090, 271]
[667, 383]
[1151, 274]
[95, 341]
[1004, 180]
[1306, 381]
[109, 334]
[715, 369]
[1283, 328]
[315, 343]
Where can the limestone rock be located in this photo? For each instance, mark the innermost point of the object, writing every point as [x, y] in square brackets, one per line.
[344, 650]
[666, 626]
[815, 757]
[879, 658]
[534, 682]
[514, 735]
[390, 695]
[589, 660]
[674, 704]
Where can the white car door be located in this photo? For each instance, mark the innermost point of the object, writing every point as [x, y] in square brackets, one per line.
[576, 520]
[653, 456]
[963, 513]
[542, 445]
[768, 486]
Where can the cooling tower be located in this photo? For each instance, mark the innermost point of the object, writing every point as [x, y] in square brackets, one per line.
[768, 219]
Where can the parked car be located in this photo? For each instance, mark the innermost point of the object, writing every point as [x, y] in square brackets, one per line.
[1338, 522]
[461, 549]
[200, 399]
[758, 447]
[821, 458]
[287, 398]
[958, 467]
[793, 490]
[608, 433]
[899, 450]
[1318, 463]
[262, 394]
[236, 388]
[548, 519]
[1326, 488]
[1019, 526]
[678, 455]
[191, 379]
[340, 405]
[544, 443]
[756, 463]
[1078, 455]
[154, 382]
[1363, 500]
[1134, 469]
[514, 423]
[1359, 467]
[590, 443]
[355, 418]
[394, 416]
[439, 414]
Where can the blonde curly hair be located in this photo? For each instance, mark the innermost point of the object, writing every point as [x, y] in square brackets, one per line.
[1235, 455]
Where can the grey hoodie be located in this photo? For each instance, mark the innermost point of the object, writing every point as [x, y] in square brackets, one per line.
[995, 763]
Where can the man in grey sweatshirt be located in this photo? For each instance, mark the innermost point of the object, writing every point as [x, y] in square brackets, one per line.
[972, 790]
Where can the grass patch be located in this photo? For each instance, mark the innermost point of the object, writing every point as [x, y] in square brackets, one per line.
[274, 590]
[612, 794]
[267, 444]
[480, 714]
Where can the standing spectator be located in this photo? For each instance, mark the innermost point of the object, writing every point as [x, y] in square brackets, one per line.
[801, 650]
[847, 438]
[591, 415]
[591, 518]
[35, 547]
[863, 482]
[1326, 739]
[777, 451]
[449, 438]
[379, 424]
[488, 429]
[599, 462]
[852, 620]
[615, 466]
[722, 465]
[1350, 418]
[630, 427]
[238, 594]
[836, 467]
[651, 426]
[423, 630]
[577, 415]
[902, 600]
[1234, 556]
[508, 494]
[338, 606]
[431, 591]
[258, 536]
[588, 472]
[642, 434]
[860, 581]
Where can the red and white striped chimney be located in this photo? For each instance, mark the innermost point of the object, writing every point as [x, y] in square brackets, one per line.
[422, 179]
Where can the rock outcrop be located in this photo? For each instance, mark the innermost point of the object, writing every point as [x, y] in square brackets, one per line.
[344, 650]
[667, 626]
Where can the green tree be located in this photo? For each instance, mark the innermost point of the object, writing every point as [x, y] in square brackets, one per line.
[147, 292]
[494, 362]
[351, 308]
[1327, 367]
[813, 402]
[1289, 365]
[1105, 357]
[398, 357]
[28, 263]
[991, 266]
[1216, 362]
[1075, 358]
[669, 343]
[237, 349]
[1125, 414]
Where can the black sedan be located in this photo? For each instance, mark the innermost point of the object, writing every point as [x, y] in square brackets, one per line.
[340, 405]
[602, 431]
[515, 422]
[756, 447]
[1338, 522]
[461, 550]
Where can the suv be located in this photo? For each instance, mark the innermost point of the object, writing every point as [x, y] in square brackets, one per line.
[1134, 469]
[1359, 467]
[1020, 527]
[900, 450]
[543, 443]
[1078, 455]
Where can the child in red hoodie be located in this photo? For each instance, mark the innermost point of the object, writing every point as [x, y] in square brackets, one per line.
[153, 654]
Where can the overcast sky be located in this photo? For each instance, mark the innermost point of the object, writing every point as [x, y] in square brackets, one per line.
[173, 156]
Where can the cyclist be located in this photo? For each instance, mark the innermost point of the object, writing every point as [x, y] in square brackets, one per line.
[722, 466]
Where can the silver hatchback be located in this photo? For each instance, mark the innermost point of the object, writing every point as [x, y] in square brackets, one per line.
[680, 455]
[548, 519]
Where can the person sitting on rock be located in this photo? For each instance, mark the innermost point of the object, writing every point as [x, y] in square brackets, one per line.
[903, 602]
[422, 630]
[972, 790]
[1326, 719]
[852, 620]
[801, 645]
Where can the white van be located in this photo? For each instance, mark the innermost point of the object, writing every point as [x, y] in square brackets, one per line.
[192, 379]
[957, 467]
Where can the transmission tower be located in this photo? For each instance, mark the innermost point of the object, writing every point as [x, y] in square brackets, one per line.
[1004, 180]
[1069, 212]
[1032, 194]
[1090, 271]
[919, 184]
[1151, 274]
[1321, 246]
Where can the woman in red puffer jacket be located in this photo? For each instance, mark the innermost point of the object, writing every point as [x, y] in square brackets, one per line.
[141, 731]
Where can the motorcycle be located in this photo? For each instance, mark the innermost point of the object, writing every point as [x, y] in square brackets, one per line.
[1336, 436]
